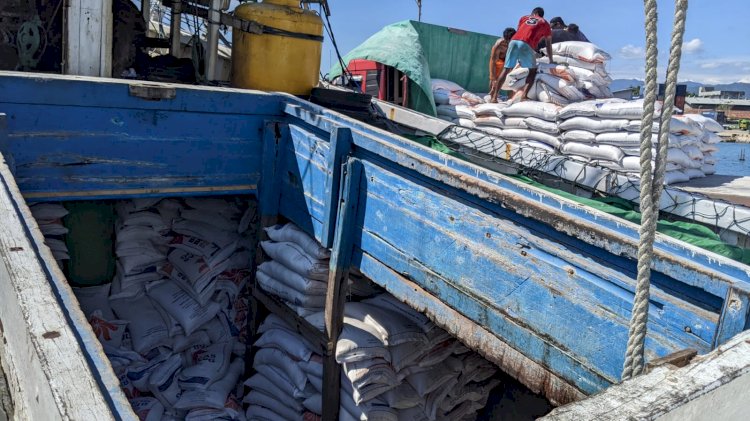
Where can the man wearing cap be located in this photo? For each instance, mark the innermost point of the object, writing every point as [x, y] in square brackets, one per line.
[531, 29]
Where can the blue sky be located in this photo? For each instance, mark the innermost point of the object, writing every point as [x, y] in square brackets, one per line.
[717, 48]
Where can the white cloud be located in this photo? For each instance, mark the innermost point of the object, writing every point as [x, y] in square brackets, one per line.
[693, 46]
[745, 79]
[711, 65]
[630, 52]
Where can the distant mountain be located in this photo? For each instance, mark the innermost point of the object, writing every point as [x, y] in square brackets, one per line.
[692, 87]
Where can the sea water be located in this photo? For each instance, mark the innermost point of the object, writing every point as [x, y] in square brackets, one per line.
[728, 159]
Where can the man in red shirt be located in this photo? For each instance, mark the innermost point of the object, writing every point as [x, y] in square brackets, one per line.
[531, 30]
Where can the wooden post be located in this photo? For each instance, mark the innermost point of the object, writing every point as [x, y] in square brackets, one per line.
[5, 145]
[341, 143]
[88, 50]
[341, 257]
[268, 209]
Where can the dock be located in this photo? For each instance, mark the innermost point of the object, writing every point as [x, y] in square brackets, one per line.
[730, 188]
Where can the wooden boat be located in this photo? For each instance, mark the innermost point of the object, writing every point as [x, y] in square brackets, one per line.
[538, 284]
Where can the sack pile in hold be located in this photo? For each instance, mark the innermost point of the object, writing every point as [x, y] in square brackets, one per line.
[173, 322]
[298, 270]
[49, 218]
[396, 365]
[288, 379]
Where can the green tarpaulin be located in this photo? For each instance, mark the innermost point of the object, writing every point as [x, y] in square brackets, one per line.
[423, 52]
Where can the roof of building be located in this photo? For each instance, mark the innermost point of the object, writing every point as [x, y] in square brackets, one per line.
[714, 101]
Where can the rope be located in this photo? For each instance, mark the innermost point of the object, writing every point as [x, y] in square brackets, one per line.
[652, 183]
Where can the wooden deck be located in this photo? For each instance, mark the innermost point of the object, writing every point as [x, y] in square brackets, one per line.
[730, 188]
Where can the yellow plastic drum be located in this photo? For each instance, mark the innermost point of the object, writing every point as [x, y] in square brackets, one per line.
[281, 49]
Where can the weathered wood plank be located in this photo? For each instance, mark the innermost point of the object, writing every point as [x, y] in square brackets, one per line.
[53, 360]
[338, 277]
[711, 387]
[561, 307]
[49, 90]
[341, 142]
[116, 149]
[89, 38]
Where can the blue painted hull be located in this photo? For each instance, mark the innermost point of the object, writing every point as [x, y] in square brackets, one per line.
[540, 285]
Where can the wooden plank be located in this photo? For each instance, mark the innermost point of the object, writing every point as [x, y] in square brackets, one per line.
[5, 144]
[562, 308]
[116, 149]
[711, 387]
[130, 193]
[341, 143]
[677, 359]
[302, 326]
[89, 38]
[734, 316]
[52, 357]
[339, 274]
[730, 188]
[54, 90]
[679, 260]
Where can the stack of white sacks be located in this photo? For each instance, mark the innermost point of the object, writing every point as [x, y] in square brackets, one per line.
[298, 270]
[575, 116]
[172, 321]
[396, 363]
[578, 73]
[607, 132]
[49, 218]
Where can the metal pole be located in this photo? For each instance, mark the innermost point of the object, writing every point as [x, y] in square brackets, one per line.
[212, 39]
[175, 31]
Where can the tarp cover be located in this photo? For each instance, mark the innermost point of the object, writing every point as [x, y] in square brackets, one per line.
[422, 52]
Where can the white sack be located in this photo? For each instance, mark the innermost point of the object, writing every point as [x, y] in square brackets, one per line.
[283, 291]
[148, 329]
[591, 124]
[293, 257]
[605, 152]
[542, 125]
[189, 313]
[580, 136]
[147, 409]
[706, 123]
[532, 109]
[95, 298]
[216, 395]
[205, 365]
[524, 134]
[291, 233]
[584, 51]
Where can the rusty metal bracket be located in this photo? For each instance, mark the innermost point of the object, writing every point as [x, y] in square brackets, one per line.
[152, 92]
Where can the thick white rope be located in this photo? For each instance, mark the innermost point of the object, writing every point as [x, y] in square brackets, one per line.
[652, 182]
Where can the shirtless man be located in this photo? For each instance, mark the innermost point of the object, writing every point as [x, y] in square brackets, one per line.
[497, 57]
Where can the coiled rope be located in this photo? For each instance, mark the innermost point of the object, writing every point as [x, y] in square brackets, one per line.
[652, 181]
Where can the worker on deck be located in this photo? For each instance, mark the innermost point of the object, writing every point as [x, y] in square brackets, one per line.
[497, 56]
[531, 29]
[562, 32]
